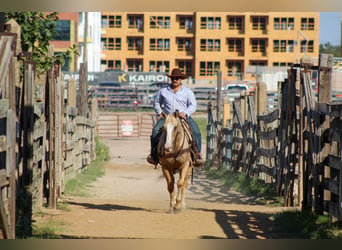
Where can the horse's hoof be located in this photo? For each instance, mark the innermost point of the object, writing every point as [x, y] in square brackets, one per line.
[177, 210]
[170, 211]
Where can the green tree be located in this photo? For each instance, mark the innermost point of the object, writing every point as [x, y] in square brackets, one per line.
[328, 48]
[37, 30]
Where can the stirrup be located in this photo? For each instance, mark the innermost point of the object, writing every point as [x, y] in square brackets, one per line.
[199, 162]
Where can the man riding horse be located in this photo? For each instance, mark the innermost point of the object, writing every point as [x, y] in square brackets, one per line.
[175, 97]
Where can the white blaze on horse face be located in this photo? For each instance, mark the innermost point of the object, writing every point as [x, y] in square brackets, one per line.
[168, 142]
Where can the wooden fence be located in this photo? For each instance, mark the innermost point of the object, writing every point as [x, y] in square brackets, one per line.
[44, 140]
[296, 146]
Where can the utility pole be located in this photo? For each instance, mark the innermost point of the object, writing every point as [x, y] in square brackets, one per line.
[85, 38]
[341, 35]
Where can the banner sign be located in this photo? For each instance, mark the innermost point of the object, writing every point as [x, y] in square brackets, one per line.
[127, 128]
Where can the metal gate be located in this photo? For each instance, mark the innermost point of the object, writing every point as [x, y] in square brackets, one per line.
[116, 125]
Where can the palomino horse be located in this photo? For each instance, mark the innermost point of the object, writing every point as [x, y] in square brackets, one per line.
[175, 156]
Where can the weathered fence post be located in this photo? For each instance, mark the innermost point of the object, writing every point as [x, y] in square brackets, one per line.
[218, 98]
[226, 111]
[83, 91]
[261, 97]
[324, 74]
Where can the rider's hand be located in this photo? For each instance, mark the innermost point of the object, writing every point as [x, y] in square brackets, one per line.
[182, 115]
[159, 116]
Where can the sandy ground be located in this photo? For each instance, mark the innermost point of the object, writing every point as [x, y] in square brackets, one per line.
[131, 202]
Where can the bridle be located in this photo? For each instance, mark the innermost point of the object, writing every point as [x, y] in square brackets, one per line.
[185, 136]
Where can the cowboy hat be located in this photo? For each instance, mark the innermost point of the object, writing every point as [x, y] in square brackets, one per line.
[177, 73]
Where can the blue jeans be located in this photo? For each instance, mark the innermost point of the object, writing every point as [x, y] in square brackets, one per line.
[194, 129]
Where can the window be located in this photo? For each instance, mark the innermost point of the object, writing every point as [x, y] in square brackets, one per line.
[290, 46]
[258, 63]
[185, 66]
[134, 65]
[283, 45]
[159, 44]
[135, 43]
[303, 46]
[209, 68]
[111, 64]
[184, 44]
[282, 64]
[283, 23]
[275, 45]
[210, 23]
[234, 68]
[185, 22]
[159, 66]
[307, 23]
[259, 23]
[235, 23]
[110, 21]
[210, 45]
[258, 45]
[135, 22]
[310, 46]
[235, 45]
[160, 22]
[110, 43]
[63, 31]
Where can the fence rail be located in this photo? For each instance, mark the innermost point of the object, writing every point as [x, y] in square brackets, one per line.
[295, 145]
[43, 139]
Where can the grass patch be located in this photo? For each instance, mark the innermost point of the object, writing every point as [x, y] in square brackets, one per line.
[265, 192]
[77, 186]
[306, 225]
[202, 125]
[47, 230]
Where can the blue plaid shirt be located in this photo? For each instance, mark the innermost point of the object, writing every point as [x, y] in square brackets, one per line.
[168, 102]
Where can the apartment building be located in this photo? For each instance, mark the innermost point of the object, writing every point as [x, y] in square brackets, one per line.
[201, 43]
[67, 36]
[71, 30]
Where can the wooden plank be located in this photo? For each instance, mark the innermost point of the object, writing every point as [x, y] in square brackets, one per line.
[38, 130]
[335, 109]
[272, 152]
[38, 155]
[3, 179]
[331, 185]
[4, 106]
[270, 171]
[334, 162]
[10, 164]
[4, 218]
[39, 108]
[268, 135]
[3, 143]
[269, 118]
[5, 56]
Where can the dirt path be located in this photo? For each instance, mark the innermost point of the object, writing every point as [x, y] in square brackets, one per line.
[131, 202]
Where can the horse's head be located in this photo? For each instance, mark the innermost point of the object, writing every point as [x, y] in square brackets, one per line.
[171, 127]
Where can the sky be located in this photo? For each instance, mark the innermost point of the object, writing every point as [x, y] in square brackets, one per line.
[330, 28]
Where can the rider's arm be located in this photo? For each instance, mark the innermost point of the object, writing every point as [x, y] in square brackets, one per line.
[156, 104]
[191, 103]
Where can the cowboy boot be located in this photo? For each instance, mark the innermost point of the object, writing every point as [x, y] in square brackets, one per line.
[152, 158]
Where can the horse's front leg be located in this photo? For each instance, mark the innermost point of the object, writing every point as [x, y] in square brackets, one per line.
[170, 182]
[188, 174]
[181, 187]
